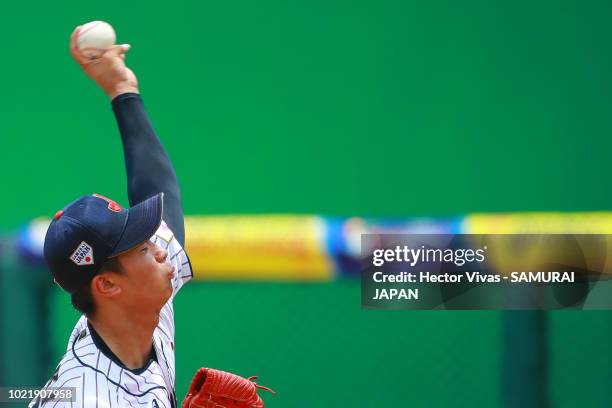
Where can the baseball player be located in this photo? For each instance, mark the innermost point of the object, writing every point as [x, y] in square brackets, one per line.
[123, 267]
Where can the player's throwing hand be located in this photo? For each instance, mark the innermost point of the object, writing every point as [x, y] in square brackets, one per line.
[109, 71]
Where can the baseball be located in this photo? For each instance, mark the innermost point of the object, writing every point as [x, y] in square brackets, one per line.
[94, 38]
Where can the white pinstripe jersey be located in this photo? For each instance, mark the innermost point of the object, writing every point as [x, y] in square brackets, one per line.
[101, 381]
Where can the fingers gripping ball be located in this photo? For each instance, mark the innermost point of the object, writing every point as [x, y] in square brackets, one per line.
[94, 38]
[212, 388]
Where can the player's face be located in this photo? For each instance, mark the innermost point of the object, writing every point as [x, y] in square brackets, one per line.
[147, 280]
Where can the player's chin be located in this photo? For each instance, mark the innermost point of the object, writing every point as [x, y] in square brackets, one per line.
[165, 293]
[168, 292]
[163, 300]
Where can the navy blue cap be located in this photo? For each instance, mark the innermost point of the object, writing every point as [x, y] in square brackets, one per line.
[92, 229]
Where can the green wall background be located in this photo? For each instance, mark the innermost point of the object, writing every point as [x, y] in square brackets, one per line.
[337, 108]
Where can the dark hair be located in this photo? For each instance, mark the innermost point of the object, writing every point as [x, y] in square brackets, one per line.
[82, 299]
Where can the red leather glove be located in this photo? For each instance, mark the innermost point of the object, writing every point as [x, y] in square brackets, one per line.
[212, 388]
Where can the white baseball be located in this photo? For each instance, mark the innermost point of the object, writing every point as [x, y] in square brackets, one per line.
[94, 38]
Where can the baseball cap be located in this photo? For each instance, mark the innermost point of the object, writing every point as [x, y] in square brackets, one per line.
[92, 229]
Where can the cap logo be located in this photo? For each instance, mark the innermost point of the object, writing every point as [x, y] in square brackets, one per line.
[83, 255]
[112, 205]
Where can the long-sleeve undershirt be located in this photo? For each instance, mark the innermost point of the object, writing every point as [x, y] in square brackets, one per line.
[149, 170]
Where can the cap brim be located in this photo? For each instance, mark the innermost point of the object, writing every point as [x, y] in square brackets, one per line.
[142, 221]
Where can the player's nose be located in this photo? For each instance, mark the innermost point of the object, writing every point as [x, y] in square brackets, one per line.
[161, 254]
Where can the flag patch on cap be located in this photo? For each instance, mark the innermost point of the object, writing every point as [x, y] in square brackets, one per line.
[83, 255]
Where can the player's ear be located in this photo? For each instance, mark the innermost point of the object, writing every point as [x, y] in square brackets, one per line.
[105, 285]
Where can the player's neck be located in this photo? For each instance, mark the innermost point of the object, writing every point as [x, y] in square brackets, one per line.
[128, 336]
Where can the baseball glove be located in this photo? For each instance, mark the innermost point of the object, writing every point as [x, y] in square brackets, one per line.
[212, 388]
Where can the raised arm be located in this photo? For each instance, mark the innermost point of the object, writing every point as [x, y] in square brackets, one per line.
[149, 170]
[148, 167]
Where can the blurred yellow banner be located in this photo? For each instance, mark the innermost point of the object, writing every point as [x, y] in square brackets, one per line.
[538, 223]
[282, 247]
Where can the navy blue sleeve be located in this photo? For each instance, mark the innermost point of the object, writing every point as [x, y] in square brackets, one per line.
[149, 170]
